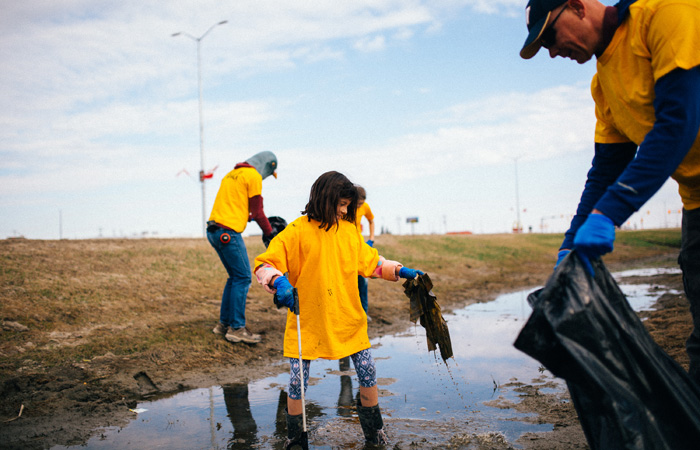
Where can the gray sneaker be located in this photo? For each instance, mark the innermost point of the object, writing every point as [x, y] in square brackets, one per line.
[220, 329]
[242, 335]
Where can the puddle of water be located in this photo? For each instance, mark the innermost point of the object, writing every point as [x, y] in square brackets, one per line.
[647, 272]
[422, 399]
[642, 297]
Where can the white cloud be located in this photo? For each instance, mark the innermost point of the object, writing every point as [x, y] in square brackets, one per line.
[371, 44]
[494, 130]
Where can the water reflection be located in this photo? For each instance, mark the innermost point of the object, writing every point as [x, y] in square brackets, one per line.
[423, 400]
[245, 431]
[345, 402]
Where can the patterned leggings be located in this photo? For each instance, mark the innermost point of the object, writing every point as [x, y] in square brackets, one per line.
[362, 360]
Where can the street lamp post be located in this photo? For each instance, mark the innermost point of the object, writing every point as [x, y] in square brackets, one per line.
[518, 226]
[198, 40]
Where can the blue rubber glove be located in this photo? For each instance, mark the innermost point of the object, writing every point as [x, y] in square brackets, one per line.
[594, 239]
[560, 256]
[405, 272]
[370, 242]
[285, 293]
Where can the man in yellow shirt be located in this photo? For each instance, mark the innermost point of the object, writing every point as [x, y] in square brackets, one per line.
[238, 201]
[647, 105]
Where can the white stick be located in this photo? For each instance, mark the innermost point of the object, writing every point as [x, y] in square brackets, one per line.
[301, 376]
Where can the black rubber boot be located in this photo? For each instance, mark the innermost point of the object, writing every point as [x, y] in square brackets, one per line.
[295, 427]
[372, 424]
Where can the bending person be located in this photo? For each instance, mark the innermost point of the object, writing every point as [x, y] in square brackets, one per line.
[239, 200]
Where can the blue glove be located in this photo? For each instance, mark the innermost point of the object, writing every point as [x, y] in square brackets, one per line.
[405, 272]
[370, 242]
[560, 256]
[594, 239]
[285, 293]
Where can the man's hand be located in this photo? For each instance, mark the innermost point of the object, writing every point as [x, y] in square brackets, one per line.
[595, 238]
[560, 256]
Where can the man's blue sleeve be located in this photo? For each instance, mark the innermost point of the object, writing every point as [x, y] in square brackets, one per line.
[608, 163]
[635, 180]
[677, 110]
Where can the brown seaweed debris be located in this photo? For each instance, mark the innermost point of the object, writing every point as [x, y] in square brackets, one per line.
[424, 306]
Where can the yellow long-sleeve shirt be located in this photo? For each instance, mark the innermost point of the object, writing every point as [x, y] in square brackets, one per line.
[658, 37]
[323, 266]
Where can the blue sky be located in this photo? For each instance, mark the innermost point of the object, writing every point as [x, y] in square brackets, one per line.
[427, 104]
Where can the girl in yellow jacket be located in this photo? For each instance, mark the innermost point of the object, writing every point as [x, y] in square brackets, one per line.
[322, 254]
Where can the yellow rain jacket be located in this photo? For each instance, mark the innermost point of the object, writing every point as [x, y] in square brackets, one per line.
[323, 266]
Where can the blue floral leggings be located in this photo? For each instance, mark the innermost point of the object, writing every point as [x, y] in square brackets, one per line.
[362, 360]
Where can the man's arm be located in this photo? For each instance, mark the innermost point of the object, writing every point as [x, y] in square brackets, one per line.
[608, 163]
[255, 206]
[677, 111]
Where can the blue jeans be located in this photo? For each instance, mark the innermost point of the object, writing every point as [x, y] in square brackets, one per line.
[689, 260]
[235, 259]
[362, 286]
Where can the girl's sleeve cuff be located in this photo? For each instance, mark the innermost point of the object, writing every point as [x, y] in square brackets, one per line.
[264, 274]
[387, 269]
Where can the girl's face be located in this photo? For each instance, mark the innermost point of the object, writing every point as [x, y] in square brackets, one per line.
[342, 209]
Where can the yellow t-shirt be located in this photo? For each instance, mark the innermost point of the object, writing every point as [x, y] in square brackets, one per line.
[323, 266]
[363, 211]
[231, 205]
[657, 37]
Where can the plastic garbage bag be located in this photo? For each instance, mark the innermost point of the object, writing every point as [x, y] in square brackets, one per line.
[277, 223]
[628, 392]
[424, 306]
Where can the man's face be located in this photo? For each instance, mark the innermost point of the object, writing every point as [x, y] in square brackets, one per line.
[567, 36]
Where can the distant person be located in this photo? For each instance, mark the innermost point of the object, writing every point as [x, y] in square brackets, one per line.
[363, 210]
[647, 106]
[238, 201]
[312, 249]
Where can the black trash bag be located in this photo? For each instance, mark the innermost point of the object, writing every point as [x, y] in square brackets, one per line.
[277, 223]
[628, 392]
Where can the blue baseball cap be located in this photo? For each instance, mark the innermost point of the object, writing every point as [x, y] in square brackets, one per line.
[537, 14]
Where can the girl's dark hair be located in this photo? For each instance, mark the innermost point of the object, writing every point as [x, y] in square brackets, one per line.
[325, 196]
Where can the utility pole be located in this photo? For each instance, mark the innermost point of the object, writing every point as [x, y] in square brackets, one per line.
[518, 225]
[201, 124]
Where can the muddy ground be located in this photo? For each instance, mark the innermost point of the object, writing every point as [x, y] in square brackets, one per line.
[64, 403]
